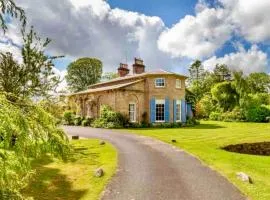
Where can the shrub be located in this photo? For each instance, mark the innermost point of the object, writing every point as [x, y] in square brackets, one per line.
[235, 115]
[215, 116]
[69, 117]
[78, 120]
[192, 122]
[87, 121]
[204, 107]
[258, 113]
[110, 119]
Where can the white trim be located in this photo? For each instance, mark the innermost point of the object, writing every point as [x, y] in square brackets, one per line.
[134, 112]
[179, 102]
[180, 83]
[159, 101]
[157, 86]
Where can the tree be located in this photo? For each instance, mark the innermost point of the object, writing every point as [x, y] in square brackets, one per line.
[225, 95]
[8, 7]
[258, 82]
[197, 75]
[109, 76]
[222, 73]
[83, 72]
[34, 76]
[240, 84]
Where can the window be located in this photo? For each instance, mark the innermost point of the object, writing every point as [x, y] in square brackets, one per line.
[178, 83]
[160, 110]
[132, 112]
[160, 82]
[178, 110]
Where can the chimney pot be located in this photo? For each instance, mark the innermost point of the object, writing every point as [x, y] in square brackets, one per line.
[138, 66]
[123, 70]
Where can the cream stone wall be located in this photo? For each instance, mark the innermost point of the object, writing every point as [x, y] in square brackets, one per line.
[139, 93]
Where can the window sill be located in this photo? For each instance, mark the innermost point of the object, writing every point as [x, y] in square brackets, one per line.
[159, 121]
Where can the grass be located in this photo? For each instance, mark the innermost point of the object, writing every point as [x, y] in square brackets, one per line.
[205, 141]
[75, 178]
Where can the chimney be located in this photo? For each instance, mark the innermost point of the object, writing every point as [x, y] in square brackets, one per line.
[123, 70]
[138, 66]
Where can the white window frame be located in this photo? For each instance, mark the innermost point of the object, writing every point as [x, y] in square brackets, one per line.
[178, 83]
[160, 86]
[160, 101]
[178, 103]
[134, 112]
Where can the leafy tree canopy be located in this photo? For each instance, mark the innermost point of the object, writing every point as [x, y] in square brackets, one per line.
[258, 82]
[34, 76]
[83, 72]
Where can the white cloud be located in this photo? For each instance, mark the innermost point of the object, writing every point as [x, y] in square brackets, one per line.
[197, 36]
[93, 29]
[252, 60]
[251, 18]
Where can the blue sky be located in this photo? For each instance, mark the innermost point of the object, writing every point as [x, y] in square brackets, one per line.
[167, 34]
[168, 10]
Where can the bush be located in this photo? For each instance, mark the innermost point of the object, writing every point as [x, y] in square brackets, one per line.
[69, 117]
[235, 115]
[110, 119]
[87, 122]
[258, 113]
[204, 107]
[78, 120]
[192, 122]
[215, 116]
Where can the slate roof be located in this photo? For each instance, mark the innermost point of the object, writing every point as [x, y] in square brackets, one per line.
[131, 76]
[112, 87]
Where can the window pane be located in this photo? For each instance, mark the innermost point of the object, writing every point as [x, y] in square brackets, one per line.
[160, 112]
[160, 82]
[178, 110]
[132, 117]
[178, 83]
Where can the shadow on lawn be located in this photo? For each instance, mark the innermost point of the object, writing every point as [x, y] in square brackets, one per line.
[50, 184]
[200, 126]
[206, 126]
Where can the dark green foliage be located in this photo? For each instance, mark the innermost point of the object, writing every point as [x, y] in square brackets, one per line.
[87, 121]
[83, 72]
[257, 113]
[225, 95]
[110, 119]
[69, 117]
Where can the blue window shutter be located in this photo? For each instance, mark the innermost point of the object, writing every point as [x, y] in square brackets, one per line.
[174, 110]
[167, 110]
[183, 110]
[152, 110]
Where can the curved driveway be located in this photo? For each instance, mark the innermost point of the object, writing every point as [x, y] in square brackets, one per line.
[149, 169]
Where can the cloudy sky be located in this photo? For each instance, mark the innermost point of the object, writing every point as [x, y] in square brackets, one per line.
[165, 34]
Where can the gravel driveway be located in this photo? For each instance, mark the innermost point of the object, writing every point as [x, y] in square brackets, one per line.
[149, 169]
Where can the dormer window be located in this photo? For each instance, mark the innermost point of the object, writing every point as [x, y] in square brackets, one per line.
[178, 84]
[160, 82]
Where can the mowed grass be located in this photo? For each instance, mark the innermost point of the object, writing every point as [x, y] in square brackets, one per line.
[205, 141]
[74, 179]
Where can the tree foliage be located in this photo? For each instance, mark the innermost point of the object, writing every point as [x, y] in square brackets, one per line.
[34, 76]
[8, 7]
[26, 132]
[109, 76]
[83, 72]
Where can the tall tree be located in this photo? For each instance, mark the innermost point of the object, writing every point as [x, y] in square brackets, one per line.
[222, 73]
[34, 76]
[8, 7]
[197, 75]
[83, 72]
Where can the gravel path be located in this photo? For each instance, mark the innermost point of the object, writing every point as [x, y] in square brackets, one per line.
[149, 169]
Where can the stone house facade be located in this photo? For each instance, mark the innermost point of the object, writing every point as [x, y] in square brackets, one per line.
[154, 96]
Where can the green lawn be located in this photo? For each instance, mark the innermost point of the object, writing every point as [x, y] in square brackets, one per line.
[204, 141]
[74, 179]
